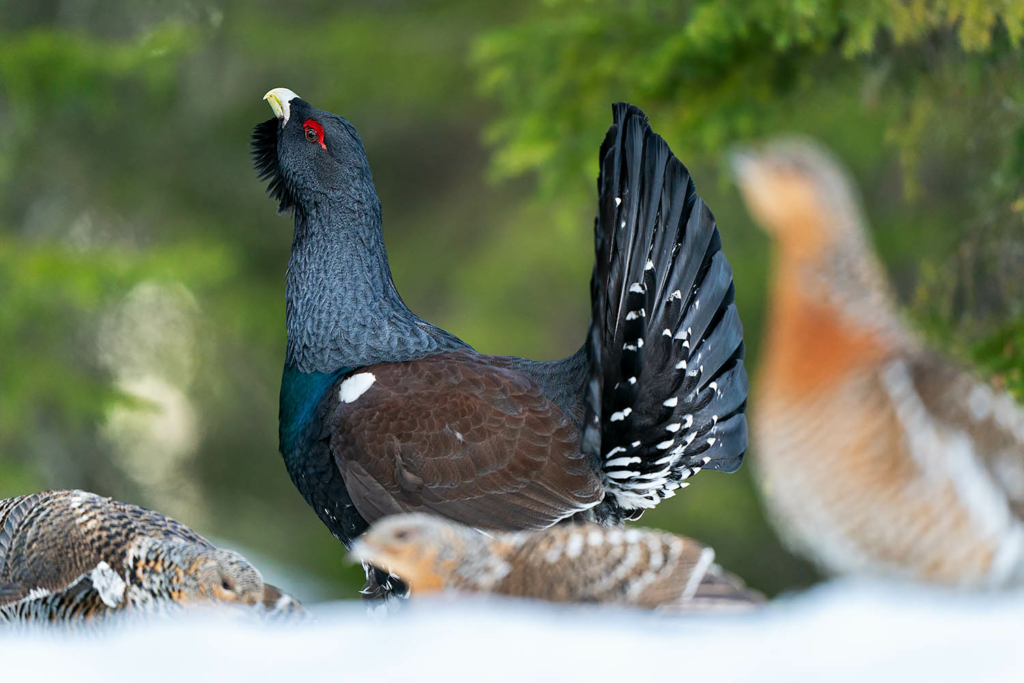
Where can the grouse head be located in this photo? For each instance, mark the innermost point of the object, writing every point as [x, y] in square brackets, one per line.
[798, 192]
[309, 156]
[192, 573]
[428, 553]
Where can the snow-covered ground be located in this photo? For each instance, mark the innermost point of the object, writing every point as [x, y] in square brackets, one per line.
[838, 632]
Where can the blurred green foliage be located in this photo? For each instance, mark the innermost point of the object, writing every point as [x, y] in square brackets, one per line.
[123, 161]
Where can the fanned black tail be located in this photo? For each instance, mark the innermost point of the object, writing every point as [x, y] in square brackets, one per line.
[667, 389]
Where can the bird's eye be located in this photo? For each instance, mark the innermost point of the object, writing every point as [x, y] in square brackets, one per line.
[225, 584]
[314, 132]
[401, 535]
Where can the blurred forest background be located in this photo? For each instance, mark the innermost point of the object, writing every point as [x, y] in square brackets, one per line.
[142, 268]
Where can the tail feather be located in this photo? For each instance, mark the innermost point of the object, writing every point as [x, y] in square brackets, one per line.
[668, 389]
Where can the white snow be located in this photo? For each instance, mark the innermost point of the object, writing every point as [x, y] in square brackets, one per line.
[837, 632]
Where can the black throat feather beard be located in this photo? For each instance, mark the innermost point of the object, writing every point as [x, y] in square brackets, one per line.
[264, 156]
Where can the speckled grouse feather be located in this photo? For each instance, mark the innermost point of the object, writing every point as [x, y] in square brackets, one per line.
[73, 555]
[667, 387]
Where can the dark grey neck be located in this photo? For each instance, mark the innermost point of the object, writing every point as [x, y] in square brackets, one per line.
[342, 307]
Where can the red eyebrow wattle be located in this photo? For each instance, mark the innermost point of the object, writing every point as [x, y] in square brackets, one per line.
[311, 123]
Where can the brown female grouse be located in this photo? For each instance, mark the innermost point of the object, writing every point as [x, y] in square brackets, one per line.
[876, 454]
[566, 563]
[73, 556]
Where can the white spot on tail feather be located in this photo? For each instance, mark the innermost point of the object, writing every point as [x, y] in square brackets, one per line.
[620, 415]
[617, 449]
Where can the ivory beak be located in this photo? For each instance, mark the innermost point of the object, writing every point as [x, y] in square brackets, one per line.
[280, 100]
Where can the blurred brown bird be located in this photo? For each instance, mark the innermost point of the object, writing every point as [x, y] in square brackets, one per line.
[565, 563]
[73, 556]
[876, 455]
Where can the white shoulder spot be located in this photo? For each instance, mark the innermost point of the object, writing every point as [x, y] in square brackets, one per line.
[355, 386]
[108, 584]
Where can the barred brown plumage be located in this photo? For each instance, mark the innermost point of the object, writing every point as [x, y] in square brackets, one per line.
[585, 563]
[73, 556]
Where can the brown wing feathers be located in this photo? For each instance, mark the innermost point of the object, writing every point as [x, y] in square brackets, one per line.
[454, 435]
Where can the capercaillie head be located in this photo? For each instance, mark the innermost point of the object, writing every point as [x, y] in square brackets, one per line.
[309, 156]
[797, 191]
